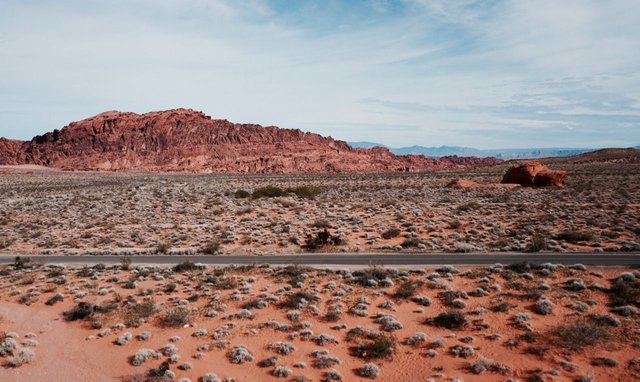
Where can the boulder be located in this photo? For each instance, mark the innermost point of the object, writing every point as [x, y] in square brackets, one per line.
[534, 173]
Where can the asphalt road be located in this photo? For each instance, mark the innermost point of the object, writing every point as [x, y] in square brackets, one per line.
[320, 259]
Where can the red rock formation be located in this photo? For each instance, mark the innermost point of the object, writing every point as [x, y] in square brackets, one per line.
[187, 140]
[534, 173]
[463, 183]
[9, 149]
[553, 178]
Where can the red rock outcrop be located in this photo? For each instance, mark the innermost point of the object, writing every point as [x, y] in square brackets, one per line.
[534, 173]
[187, 140]
[9, 150]
[463, 183]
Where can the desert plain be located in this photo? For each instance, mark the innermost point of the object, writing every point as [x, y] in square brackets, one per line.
[55, 212]
[192, 322]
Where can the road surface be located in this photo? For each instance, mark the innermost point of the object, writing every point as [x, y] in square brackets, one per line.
[319, 259]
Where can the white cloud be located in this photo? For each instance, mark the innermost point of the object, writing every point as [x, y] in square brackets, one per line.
[439, 70]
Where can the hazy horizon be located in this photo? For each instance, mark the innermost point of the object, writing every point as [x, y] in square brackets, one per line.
[482, 74]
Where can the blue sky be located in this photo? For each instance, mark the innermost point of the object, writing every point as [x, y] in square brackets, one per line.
[487, 74]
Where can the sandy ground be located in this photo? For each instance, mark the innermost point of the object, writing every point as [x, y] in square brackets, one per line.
[64, 351]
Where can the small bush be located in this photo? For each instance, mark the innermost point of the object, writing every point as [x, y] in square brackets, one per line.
[369, 370]
[241, 194]
[282, 371]
[411, 243]
[603, 361]
[170, 287]
[24, 356]
[406, 290]
[333, 315]
[299, 299]
[453, 319]
[503, 307]
[390, 233]
[538, 243]
[603, 320]
[574, 236]
[268, 362]
[325, 361]
[211, 248]
[143, 355]
[483, 364]
[175, 317]
[417, 338]
[268, 192]
[624, 293]
[373, 273]
[55, 299]
[185, 266]
[162, 248]
[543, 306]
[332, 375]
[307, 192]
[239, 355]
[135, 314]
[463, 351]
[22, 262]
[322, 239]
[125, 262]
[382, 346]
[80, 311]
[123, 339]
[283, 348]
[210, 377]
[580, 334]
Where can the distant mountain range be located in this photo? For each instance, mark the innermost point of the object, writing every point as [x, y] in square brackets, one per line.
[437, 152]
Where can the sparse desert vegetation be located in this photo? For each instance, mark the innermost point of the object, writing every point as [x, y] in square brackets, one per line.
[520, 321]
[129, 213]
[192, 322]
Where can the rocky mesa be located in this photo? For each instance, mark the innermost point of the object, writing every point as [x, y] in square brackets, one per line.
[188, 140]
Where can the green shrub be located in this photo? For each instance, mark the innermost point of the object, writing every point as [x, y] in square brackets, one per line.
[322, 239]
[362, 276]
[625, 293]
[406, 290]
[390, 233]
[241, 194]
[268, 192]
[307, 192]
[574, 236]
[134, 314]
[211, 248]
[170, 287]
[333, 315]
[453, 319]
[575, 336]
[125, 262]
[538, 243]
[185, 266]
[162, 248]
[411, 243]
[298, 299]
[383, 346]
[175, 317]
[80, 311]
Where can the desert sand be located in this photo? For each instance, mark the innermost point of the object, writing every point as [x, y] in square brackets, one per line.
[517, 323]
